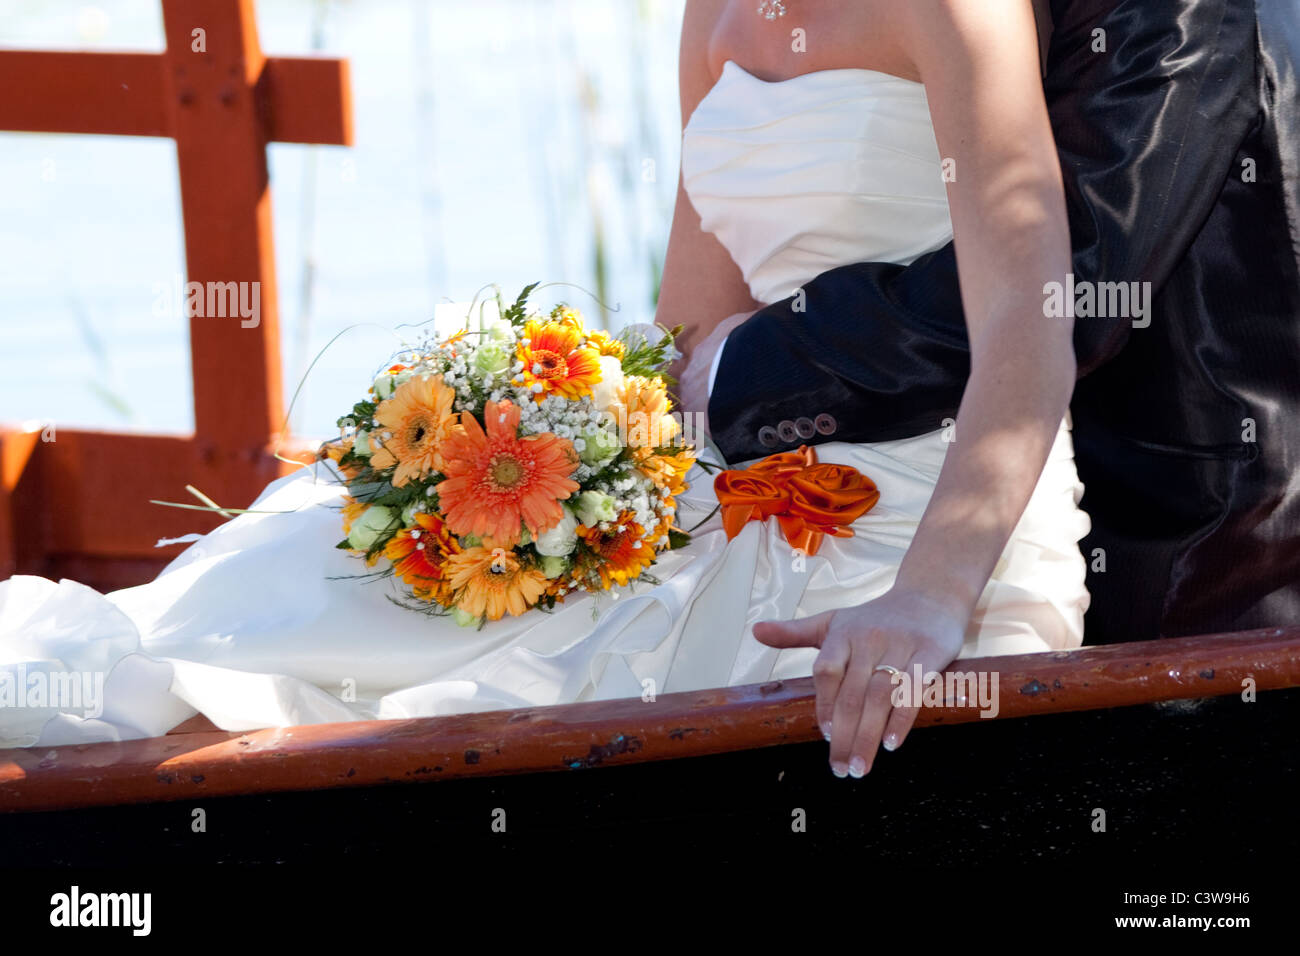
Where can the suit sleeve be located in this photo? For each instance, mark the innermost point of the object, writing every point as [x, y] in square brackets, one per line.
[1149, 103]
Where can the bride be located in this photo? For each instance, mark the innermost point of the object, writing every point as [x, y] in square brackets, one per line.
[792, 163]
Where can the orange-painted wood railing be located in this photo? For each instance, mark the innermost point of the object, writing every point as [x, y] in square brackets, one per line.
[610, 733]
[78, 506]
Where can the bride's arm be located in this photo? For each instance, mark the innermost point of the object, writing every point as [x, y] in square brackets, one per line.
[701, 283]
[979, 62]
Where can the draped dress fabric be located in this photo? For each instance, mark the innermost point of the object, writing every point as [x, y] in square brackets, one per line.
[264, 623]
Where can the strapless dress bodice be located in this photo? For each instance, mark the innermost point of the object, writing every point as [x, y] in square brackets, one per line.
[823, 169]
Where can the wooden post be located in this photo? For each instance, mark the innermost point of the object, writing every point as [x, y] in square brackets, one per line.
[222, 100]
[213, 67]
[16, 449]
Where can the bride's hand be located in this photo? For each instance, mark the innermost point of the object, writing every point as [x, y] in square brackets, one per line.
[693, 381]
[901, 628]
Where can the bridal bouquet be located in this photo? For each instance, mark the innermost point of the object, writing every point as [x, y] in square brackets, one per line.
[507, 466]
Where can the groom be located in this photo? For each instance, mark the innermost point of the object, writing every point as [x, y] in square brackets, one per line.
[1178, 126]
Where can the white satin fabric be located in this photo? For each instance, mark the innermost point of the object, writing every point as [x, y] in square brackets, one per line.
[800, 176]
[259, 624]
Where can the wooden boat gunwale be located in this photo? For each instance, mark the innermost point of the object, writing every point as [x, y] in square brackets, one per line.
[191, 766]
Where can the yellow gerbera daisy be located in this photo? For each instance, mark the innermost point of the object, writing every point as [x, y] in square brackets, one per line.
[566, 315]
[666, 471]
[493, 583]
[412, 426]
[606, 344]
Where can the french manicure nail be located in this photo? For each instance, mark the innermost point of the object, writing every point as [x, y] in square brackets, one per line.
[858, 768]
[838, 770]
[890, 742]
[826, 730]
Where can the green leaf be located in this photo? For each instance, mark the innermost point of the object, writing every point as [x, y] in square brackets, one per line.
[367, 490]
[516, 313]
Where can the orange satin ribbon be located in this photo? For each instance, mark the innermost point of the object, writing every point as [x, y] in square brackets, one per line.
[808, 499]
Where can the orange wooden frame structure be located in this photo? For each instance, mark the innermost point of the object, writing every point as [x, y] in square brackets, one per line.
[78, 506]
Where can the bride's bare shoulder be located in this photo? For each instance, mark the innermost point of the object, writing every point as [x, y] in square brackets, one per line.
[696, 75]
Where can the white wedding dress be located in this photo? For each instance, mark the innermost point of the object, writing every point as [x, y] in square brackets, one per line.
[252, 627]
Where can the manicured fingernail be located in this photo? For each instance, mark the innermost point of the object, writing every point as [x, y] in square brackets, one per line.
[838, 770]
[858, 768]
[890, 742]
[826, 730]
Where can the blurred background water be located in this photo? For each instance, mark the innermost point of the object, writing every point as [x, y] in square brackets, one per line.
[502, 141]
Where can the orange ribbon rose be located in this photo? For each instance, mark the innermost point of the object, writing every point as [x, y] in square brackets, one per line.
[809, 500]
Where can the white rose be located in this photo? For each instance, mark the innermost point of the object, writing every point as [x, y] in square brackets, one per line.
[553, 566]
[492, 359]
[465, 619]
[498, 330]
[561, 539]
[595, 507]
[605, 392]
[361, 444]
[598, 447]
[374, 521]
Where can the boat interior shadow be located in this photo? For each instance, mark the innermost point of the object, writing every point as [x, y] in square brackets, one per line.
[1209, 784]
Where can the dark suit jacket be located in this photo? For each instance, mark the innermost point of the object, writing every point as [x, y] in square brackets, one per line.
[1180, 148]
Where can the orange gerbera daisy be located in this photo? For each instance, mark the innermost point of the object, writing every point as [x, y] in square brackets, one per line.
[553, 359]
[496, 480]
[412, 425]
[623, 555]
[419, 556]
[493, 583]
